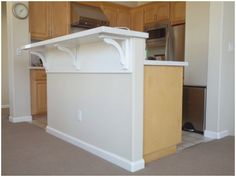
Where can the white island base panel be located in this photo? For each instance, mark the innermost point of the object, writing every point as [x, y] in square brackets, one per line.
[95, 92]
[98, 117]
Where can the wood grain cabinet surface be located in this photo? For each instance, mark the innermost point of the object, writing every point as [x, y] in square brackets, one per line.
[60, 19]
[117, 15]
[38, 84]
[137, 19]
[177, 12]
[155, 12]
[111, 14]
[39, 20]
[123, 18]
[48, 19]
[163, 87]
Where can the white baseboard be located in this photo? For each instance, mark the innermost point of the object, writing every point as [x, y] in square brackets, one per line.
[20, 119]
[216, 135]
[5, 106]
[113, 158]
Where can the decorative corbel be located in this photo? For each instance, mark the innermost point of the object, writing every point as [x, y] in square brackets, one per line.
[42, 56]
[122, 50]
[71, 52]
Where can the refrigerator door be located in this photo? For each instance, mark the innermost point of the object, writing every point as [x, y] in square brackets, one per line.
[176, 43]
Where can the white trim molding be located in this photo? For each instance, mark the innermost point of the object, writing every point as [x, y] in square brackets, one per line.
[216, 135]
[131, 166]
[20, 119]
[5, 106]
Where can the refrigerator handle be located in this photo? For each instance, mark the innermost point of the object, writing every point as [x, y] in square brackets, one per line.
[167, 45]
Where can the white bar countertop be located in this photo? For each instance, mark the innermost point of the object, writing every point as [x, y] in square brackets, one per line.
[165, 63]
[95, 35]
[88, 36]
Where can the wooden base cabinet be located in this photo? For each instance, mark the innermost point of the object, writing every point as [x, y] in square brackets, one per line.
[38, 92]
[163, 86]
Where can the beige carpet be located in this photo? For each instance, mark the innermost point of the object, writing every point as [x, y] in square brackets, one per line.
[29, 150]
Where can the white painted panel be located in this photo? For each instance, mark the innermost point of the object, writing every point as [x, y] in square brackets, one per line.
[100, 57]
[106, 105]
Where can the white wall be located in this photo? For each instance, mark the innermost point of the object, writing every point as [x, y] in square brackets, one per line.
[19, 87]
[5, 88]
[220, 83]
[196, 43]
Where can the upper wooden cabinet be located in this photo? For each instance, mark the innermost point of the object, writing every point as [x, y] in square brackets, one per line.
[155, 12]
[39, 20]
[177, 12]
[118, 16]
[137, 19]
[123, 18]
[163, 11]
[49, 19]
[52, 19]
[60, 18]
[150, 12]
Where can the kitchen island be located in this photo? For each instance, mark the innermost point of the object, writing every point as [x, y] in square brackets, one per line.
[96, 97]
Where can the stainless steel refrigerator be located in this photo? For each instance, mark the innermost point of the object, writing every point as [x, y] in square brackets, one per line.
[165, 42]
[176, 43]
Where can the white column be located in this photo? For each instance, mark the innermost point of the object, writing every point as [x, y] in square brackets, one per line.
[220, 83]
[19, 85]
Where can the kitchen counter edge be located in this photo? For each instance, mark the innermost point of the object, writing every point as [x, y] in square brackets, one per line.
[36, 67]
[165, 63]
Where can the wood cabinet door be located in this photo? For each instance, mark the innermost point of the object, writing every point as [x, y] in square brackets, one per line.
[41, 93]
[111, 14]
[123, 18]
[60, 18]
[38, 90]
[150, 12]
[137, 19]
[177, 12]
[162, 9]
[39, 20]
